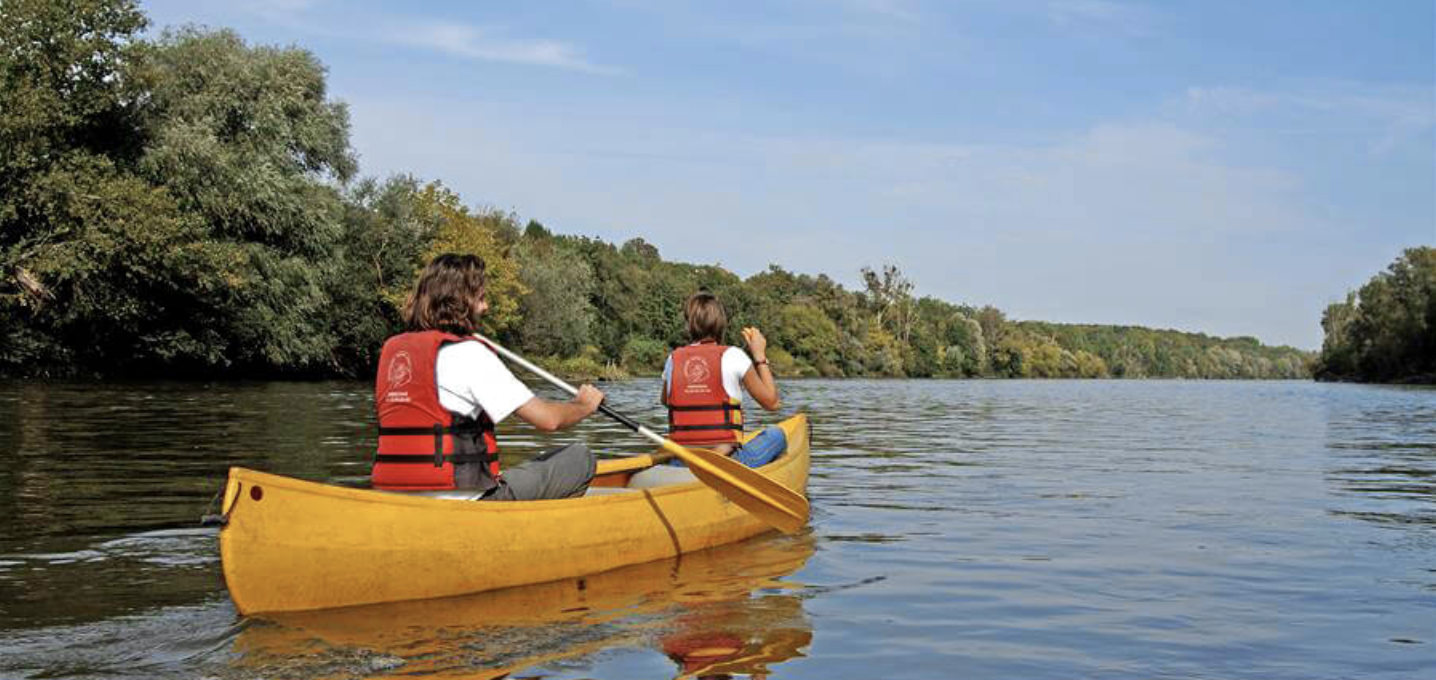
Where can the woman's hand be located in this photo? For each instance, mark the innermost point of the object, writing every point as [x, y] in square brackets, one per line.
[760, 383]
[757, 344]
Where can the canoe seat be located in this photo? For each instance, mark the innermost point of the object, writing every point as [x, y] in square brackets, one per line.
[661, 475]
[453, 495]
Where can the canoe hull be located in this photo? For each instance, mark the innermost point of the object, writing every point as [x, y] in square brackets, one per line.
[292, 545]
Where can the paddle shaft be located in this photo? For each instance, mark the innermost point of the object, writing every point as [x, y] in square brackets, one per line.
[560, 383]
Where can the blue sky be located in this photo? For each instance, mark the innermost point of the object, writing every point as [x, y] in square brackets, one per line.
[1223, 167]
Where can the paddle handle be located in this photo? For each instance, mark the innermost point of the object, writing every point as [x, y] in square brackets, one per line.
[561, 384]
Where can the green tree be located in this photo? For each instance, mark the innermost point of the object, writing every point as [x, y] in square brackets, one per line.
[1009, 358]
[806, 333]
[1090, 365]
[644, 356]
[640, 249]
[889, 295]
[994, 325]
[247, 141]
[383, 239]
[66, 98]
[555, 309]
[965, 334]
[882, 353]
[64, 109]
[1338, 355]
[456, 229]
[1387, 330]
[93, 246]
[125, 280]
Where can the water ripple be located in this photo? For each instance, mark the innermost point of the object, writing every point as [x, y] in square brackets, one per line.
[959, 529]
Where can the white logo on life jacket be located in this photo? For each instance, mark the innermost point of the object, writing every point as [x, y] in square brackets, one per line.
[695, 369]
[401, 370]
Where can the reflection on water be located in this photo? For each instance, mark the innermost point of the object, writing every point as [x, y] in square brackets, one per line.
[960, 529]
[736, 593]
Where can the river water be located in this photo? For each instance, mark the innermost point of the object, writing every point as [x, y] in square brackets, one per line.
[960, 529]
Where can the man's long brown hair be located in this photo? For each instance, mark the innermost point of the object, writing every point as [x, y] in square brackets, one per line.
[447, 296]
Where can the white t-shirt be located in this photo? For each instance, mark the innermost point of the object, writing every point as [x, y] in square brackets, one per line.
[471, 377]
[735, 365]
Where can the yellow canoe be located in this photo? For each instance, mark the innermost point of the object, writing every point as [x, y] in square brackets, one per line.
[292, 545]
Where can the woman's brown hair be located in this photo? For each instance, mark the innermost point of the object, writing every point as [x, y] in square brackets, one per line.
[447, 296]
[705, 316]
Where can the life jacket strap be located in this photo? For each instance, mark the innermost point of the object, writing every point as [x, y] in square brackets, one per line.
[730, 426]
[473, 427]
[713, 407]
[728, 409]
[485, 458]
[412, 431]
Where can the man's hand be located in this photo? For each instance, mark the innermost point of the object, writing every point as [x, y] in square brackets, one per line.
[552, 416]
[589, 398]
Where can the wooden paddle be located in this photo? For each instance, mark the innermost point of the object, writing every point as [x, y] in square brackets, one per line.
[772, 502]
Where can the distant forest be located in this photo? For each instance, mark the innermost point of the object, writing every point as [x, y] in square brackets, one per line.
[190, 205]
[1386, 331]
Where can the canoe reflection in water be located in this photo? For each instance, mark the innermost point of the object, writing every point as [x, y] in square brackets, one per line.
[721, 611]
[719, 640]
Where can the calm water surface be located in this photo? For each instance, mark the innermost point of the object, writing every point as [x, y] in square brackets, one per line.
[960, 529]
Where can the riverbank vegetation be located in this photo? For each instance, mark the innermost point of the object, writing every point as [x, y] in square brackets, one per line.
[1386, 330]
[189, 204]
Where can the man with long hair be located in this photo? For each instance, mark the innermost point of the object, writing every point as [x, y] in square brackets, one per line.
[440, 392]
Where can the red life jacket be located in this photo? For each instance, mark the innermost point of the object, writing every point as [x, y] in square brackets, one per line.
[700, 410]
[422, 445]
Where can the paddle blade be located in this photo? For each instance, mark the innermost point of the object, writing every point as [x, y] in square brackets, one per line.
[783, 508]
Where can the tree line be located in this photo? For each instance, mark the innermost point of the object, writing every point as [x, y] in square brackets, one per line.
[191, 204]
[1386, 330]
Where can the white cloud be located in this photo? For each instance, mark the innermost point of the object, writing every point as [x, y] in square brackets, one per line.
[482, 43]
[487, 45]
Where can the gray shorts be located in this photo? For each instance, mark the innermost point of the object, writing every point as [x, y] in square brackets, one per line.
[563, 472]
